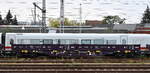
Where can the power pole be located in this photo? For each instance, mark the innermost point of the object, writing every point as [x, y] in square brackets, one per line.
[62, 16]
[43, 10]
[80, 28]
[44, 16]
[34, 15]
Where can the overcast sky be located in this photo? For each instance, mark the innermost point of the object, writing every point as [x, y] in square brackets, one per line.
[132, 10]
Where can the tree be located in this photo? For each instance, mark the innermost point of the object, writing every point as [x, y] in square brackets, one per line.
[67, 22]
[113, 20]
[1, 20]
[15, 22]
[54, 22]
[146, 16]
[9, 18]
[1, 17]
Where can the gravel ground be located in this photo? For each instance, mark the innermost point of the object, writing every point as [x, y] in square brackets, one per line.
[99, 60]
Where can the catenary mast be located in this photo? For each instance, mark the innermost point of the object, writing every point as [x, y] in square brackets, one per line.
[43, 10]
[44, 16]
[61, 16]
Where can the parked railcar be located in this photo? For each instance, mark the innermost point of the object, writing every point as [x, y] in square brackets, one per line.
[1, 45]
[77, 45]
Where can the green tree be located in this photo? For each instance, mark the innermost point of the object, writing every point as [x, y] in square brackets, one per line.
[1, 20]
[113, 20]
[15, 22]
[1, 17]
[9, 18]
[55, 23]
[146, 16]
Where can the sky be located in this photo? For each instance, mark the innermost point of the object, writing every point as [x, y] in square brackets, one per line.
[131, 10]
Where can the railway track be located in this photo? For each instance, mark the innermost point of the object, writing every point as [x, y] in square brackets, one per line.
[73, 68]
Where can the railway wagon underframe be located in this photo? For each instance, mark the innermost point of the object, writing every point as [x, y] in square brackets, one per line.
[1, 49]
[146, 51]
[75, 50]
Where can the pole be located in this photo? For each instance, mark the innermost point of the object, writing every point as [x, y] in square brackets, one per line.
[62, 16]
[80, 28]
[44, 16]
[34, 15]
[43, 10]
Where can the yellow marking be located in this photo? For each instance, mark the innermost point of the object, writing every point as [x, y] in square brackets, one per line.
[98, 51]
[118, 51]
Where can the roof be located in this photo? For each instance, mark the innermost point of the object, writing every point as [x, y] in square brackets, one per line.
[71, 35]
[76, 27]
[18, 26]
[92, 22]
[104, 25]
[128, 27]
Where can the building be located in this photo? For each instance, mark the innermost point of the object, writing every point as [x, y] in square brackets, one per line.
[84, 29]
[124, 28]
[92, 23]
[98, 24]
[103, 28]
[20, 29]
[143, 29]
